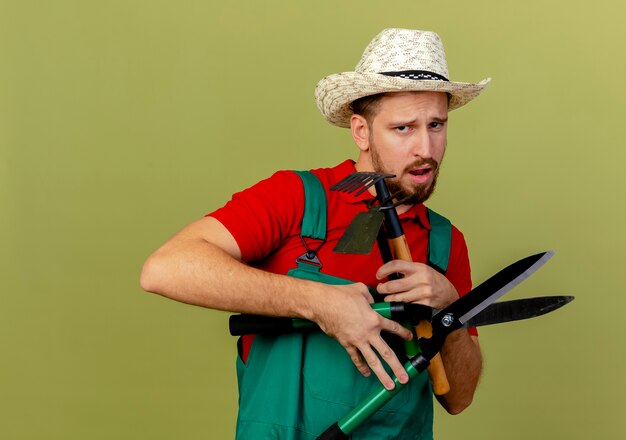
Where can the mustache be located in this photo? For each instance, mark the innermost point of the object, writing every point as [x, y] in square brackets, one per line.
[421, 161]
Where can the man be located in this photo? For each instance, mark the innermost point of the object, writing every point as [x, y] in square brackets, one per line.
[396, 105]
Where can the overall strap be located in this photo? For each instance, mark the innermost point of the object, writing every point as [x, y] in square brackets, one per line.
[439, 241]
[313, 222]
[314, 219]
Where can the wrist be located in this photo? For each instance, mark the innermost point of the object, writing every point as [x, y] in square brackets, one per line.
[311, 298]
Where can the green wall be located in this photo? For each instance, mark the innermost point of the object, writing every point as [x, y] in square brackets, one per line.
[121, 121]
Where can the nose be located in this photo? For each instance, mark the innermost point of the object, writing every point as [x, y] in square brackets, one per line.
[422, 145]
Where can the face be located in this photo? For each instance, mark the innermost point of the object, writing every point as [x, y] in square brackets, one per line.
[406, 137]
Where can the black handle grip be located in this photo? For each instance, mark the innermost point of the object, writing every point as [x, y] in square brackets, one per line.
[333, 433]
[253, 324]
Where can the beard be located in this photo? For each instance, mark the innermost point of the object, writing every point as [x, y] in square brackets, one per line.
[409, 194]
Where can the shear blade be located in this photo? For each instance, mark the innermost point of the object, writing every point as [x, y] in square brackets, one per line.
[518, 309]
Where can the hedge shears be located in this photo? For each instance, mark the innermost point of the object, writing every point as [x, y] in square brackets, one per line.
[476, 308]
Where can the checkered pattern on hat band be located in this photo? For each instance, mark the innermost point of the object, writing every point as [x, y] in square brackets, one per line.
[403, 52]
[417, 75]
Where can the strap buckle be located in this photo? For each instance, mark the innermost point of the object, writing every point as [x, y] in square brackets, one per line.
[310, 256]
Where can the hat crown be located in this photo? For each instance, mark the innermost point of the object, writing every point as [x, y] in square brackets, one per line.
[396, 50]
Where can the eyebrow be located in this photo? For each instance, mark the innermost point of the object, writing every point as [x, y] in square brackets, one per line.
[413, 121]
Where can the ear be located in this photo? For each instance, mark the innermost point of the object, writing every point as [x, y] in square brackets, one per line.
[360, 132]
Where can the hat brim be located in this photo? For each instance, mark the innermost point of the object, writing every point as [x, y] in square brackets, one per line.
[334, 94]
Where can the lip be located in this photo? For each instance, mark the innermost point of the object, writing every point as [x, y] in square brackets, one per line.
[421, 174]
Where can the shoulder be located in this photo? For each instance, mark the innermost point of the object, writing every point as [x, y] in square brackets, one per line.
[262, 216]
[291, 178]
[437, 220]
[330, 176]
[327, 176]
[458, 239]
[458, 267]
[458, 246]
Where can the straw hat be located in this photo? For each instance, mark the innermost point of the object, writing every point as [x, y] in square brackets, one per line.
[396, 60]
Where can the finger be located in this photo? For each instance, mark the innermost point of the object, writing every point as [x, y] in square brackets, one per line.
[394, 286]
[376, 366]
[394, 266]
[408, 297]
[391, 326]
[392, 360]
[358, 361]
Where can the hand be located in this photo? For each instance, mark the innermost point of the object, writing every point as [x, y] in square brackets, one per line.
[347, 316]
[421, 284]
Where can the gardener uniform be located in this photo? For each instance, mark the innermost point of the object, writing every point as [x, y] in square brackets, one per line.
[295, 386]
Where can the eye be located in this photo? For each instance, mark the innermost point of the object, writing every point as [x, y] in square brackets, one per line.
[402, 128]
[436, 124]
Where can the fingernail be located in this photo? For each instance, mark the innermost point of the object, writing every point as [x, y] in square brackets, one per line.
[390, 385]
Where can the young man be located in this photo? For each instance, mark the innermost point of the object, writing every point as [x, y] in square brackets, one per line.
[247, 257]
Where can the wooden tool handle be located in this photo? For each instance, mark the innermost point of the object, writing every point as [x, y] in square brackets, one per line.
[436, 372]
[400, 248]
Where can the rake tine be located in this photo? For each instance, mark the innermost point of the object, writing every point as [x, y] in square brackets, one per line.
[360, 181]
[375, 178]
[353, 183]
[341, 185]
[372, 181]
[356, 183]
[364, 180]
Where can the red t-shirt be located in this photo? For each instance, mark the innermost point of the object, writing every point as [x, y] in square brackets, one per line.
[266, 219]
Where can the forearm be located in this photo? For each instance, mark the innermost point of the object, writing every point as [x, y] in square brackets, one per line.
[194, 271]
[200, 265]
[463, 364]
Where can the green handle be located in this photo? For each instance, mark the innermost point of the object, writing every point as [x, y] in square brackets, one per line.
[254, 324]
[376, 400]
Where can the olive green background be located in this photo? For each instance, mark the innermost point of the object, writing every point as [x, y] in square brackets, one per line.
[121, 121]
